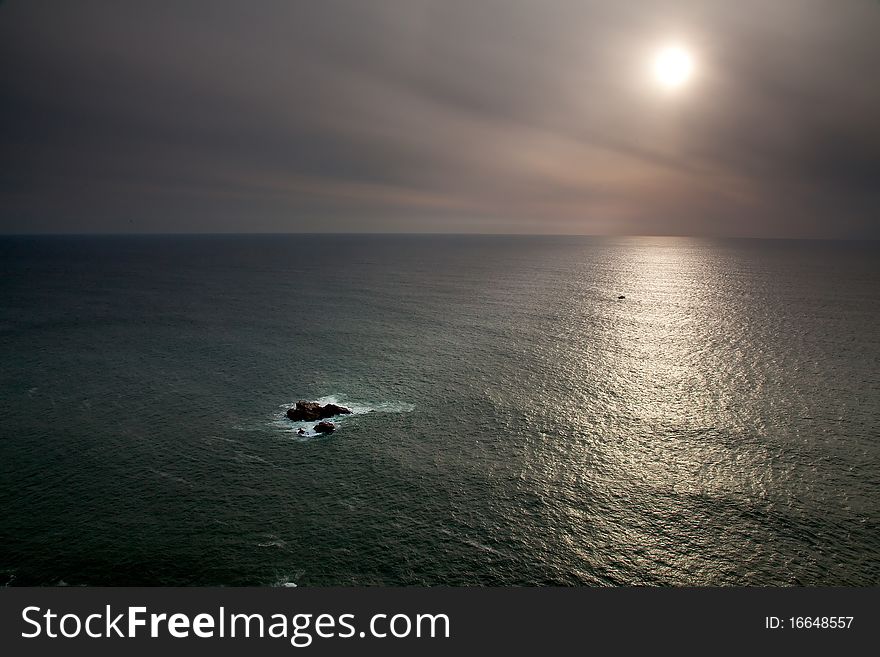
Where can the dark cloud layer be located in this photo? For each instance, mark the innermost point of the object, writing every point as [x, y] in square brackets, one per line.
[485, 116]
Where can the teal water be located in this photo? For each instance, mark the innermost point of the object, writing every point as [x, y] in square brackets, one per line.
[518, 423]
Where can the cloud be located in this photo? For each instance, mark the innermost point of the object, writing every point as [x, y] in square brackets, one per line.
[418, 115]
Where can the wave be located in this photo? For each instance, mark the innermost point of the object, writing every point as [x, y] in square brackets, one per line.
[283, 581]
[272, 541]
[366, 407]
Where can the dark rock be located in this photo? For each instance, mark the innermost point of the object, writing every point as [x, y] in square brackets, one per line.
[301, 431]
[325, 427]
[621, 297]
[306, 411]
[329, 410]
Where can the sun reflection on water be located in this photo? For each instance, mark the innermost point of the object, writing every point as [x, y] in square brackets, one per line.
[657, 388]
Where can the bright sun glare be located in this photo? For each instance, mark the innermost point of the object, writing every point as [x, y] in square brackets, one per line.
[673, 67]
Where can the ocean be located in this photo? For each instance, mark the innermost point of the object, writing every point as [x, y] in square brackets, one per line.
[517, 423]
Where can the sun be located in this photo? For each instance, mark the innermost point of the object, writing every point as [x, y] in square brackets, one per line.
[673, 67]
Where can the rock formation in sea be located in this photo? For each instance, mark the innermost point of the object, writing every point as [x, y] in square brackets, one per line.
[325, 427]
[306, 411]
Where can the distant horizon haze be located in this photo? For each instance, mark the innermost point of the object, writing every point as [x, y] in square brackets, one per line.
[378, 233]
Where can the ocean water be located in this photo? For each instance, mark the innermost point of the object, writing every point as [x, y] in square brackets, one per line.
[516, 424]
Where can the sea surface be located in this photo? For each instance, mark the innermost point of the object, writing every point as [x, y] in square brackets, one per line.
[516, 422]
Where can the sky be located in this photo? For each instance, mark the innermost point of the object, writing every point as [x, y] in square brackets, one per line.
[440, 116]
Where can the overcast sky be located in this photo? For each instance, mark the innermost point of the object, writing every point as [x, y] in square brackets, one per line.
[484, 116]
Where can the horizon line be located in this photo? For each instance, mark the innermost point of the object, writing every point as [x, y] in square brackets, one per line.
[430, 234]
